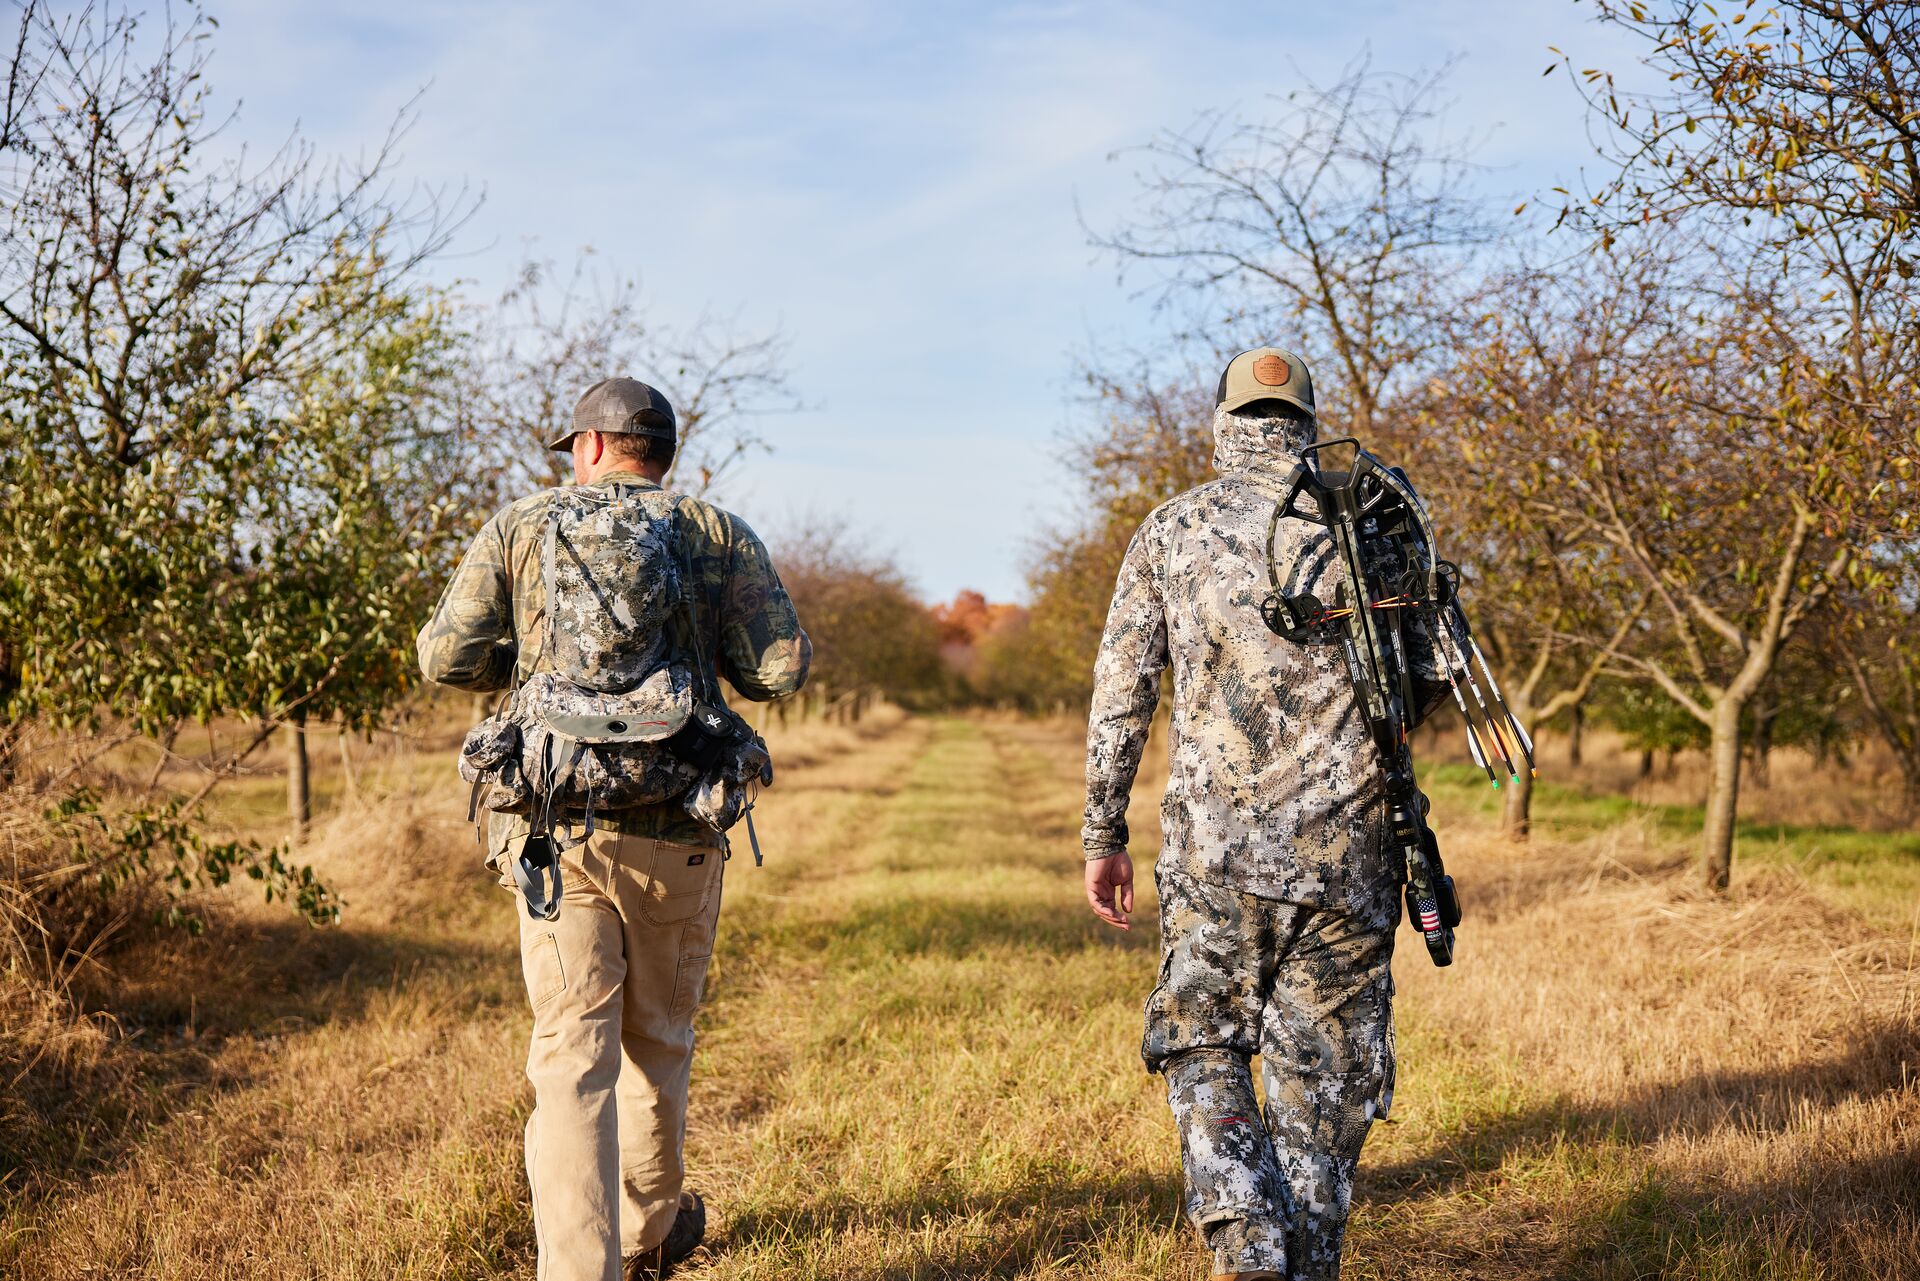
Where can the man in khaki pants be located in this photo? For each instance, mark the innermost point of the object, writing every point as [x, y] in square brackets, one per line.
[615, 977]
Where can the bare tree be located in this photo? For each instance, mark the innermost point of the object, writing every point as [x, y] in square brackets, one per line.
[1876, 644]
[1335, 227]
[1146, 439]
[1799, 116]
[1498, 431]
[1785, 135]
[551, 336]
[1677, 442]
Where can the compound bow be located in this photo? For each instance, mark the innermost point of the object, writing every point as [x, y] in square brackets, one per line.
[1383, 540]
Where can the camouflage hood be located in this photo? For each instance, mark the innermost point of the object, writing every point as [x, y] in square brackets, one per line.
[1245, 442]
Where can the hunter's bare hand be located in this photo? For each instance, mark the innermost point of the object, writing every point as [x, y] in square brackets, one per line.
[1110, 888]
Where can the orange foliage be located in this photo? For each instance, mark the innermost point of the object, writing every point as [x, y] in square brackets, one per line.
[971, 618]
[967, 624]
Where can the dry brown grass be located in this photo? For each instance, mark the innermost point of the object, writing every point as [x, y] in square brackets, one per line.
[919, 1059]
[1631, 1078]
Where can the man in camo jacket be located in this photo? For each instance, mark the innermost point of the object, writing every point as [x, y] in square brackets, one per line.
[615, 978]
[1278, 895]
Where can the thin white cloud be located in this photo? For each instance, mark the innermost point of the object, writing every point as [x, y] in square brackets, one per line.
[894, 184]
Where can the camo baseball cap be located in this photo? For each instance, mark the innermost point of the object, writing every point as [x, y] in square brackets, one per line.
[1265, 373]
[620, 405]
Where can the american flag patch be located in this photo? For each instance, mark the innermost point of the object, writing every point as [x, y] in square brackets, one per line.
[1429, 917]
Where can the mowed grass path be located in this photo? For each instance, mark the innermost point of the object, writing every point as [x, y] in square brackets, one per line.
[919, 1059]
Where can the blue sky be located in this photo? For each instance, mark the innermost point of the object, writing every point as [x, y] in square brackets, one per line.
[894, 185]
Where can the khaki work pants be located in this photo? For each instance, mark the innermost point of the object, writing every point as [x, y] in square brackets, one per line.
[614, 980]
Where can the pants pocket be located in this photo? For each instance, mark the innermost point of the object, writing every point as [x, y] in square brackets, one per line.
[690, 980]
[679, 878]
[1389, 1062]
[540, 962]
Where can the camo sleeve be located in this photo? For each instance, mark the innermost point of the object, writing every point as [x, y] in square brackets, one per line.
[469, 642]
[1126, 686]
[764, 652]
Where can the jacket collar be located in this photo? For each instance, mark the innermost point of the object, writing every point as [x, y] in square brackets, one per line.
[624, 476]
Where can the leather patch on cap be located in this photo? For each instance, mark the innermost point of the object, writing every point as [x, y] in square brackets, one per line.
[1271, 371]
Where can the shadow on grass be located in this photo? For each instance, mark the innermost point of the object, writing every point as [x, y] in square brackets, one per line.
[1035, 1225]
[1734, 1222]
[1853, 1220]
[1856, 1218]
[1878, 1060]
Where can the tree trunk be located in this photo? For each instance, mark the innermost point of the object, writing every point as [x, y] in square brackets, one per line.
[1576, 725]
[299, 792]
[1723, 796]
[9, 744]
[10, 731]
[1516, 817]
[1763, 741]
[1646, 764]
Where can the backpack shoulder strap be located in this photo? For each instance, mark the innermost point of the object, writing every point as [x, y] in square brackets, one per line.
[683, 566]
[549, 557]
[548, 546]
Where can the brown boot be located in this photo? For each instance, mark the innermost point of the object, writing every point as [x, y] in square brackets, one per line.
[683, 1238]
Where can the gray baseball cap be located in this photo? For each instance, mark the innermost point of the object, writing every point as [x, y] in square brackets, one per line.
[620, 405]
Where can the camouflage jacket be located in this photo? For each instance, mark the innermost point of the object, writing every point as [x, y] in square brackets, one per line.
[1275, 787]
[497, 598]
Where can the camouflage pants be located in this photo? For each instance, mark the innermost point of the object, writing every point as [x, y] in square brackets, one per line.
[1308, 990]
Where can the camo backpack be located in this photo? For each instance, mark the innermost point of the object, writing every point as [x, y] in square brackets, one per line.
[623, 709]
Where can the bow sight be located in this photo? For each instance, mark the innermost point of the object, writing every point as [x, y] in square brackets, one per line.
[1389, 576]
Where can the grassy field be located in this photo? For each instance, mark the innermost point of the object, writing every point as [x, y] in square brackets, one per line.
[919, 1057]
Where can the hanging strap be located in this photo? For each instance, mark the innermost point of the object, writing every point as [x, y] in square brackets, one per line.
[473, 805]
[753, 837]
[548, 547]
[562, 780]
[536, 869]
